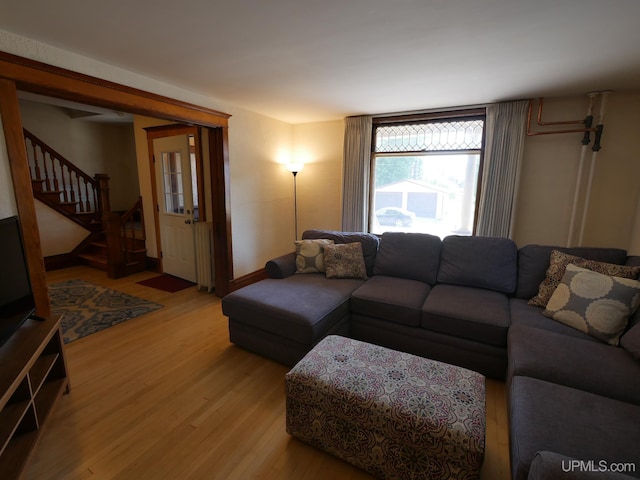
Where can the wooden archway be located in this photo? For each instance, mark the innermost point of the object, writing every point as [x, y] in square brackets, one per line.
[18, 73]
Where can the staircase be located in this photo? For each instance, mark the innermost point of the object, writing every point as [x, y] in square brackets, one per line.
[115, 242]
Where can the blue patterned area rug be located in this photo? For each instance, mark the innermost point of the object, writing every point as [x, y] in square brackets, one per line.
[87, 308]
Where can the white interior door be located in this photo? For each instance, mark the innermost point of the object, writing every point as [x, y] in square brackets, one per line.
[176, 209]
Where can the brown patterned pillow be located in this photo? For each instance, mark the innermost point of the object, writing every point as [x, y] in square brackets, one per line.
[558, 264]
[345, 261]
[310, 255]
[596, 304]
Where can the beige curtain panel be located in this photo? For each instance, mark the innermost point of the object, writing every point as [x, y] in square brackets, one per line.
[355, 187]
[505, 134]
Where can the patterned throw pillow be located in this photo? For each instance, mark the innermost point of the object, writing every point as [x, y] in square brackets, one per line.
[345, 261]
[310, 255]
[591, 302]
[557, 265]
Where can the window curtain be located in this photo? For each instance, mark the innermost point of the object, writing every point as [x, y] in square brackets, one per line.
[505, 134]
[357, 165]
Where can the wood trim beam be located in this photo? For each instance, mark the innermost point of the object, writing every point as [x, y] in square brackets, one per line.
[21, 177]
[430, 116]
[221, 214]
[162, 131]
[38, 77]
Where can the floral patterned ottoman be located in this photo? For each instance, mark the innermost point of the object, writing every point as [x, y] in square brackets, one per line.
[393, 414]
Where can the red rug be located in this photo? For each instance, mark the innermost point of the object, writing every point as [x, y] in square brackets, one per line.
[167, 283]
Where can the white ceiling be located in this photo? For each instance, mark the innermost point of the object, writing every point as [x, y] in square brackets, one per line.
[312, 60]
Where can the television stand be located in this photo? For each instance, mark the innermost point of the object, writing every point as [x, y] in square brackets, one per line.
[32, 378]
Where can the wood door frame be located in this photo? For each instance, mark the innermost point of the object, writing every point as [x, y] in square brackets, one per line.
[164, 131]
[19, 73]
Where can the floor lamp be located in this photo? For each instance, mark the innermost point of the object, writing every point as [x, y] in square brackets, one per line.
[294, 168]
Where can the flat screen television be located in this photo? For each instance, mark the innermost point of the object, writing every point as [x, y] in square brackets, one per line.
[16, 296]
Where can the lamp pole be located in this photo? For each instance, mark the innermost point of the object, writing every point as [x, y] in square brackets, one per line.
[294, 168]
[295, 202]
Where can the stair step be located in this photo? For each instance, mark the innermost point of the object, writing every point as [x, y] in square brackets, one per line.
[51, 194]
[37, 184]
[68, 206]
[96, 261]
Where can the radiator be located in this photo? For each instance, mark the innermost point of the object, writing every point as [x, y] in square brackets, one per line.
[204, 255]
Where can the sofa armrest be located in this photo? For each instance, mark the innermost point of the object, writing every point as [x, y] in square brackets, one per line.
[281, 267]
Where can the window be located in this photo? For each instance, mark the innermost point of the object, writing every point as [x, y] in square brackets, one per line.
[172, 177]
[426, 173]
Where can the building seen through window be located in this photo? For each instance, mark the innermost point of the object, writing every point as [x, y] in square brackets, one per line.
[426, 176]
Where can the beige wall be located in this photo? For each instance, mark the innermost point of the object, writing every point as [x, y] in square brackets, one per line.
[112, 150]
[262, 189]
[93, 147]
[58, 234]
[320, 145]
[259, 186]
[8, 205]
[549, 175]
[261, 192]
[144, 177]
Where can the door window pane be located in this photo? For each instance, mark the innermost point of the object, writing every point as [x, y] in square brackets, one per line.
[172, 181]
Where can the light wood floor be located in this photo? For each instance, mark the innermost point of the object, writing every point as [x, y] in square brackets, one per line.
[166, 396]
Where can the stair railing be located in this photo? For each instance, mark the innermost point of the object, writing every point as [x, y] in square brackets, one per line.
[132, 230]
[125, 238]
[61, 185]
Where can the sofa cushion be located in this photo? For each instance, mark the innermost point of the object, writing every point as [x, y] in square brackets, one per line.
[630, 341]
[369, 242]
[345, 261]
[397, 300]
[558, 262]
[589, 366]
[524, 314]
[533, 261]
[409, 255]
[467, 312]
[300, 307]
[483, 262]
[310, 255]
[553, 466]
[548, 416]
[597, 304]
[633, 261]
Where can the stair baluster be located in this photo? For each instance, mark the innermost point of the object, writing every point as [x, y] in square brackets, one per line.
[116, 243]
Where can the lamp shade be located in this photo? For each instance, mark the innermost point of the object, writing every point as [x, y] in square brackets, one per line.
[295, 167]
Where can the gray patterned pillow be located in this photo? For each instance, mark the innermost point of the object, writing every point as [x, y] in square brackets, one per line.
[558, 263]
[310, 255]
[345, 261]
[591, 302]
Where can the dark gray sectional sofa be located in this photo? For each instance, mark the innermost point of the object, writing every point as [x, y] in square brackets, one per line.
[569, 393]
[463, 300]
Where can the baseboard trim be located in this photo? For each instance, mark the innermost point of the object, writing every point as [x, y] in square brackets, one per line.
[63, 260]
[247, 279]
[152, 264]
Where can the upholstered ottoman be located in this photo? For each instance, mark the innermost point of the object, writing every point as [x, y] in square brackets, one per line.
[393, 414]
